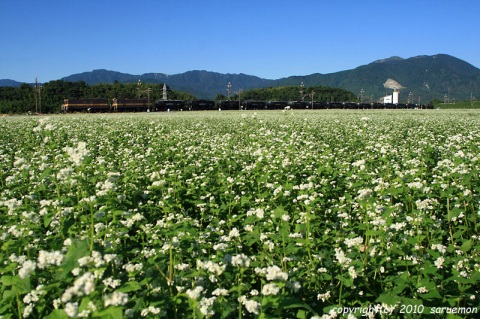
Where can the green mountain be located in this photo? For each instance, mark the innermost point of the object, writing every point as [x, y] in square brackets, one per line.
[203, 84]
[424, 77]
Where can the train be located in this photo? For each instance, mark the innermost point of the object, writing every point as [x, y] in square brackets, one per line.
[144, 105]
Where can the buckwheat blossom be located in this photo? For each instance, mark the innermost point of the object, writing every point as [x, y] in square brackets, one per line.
[83, 286]
[34, 295]
[324, 296]
[352, 272]
[205, 304]
[77, 155]
[111, 282]
[241, 260]
[441, 248]
[71, 309]
[350, 242]
[220, 292]
[270, 289]
[27, 311]
[341, 258]
[439, 262]
[151, 309]
[252, 306]
[364, 193]
[422, 290]
[211, 267]
[194, 293]
[46, 258]
[276, 273]
[116, 298]
[27, 268]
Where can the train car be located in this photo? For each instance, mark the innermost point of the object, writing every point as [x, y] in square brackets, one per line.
[255, 105]
[350, 105]
[298, 105]
[335, 106]
[277, 105]
[170, 105]
[85, 105]
[201, 105]
[228, 105]
[365, 106]
[131, 105]
[317, 105]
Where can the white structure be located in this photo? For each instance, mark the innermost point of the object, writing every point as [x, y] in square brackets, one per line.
[395, 96]
[392, 84]
[164, 97]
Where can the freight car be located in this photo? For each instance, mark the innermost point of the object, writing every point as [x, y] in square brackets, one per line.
[201, 105]
[255, 105]
[87, 105]
[170, 105]
[131, 105]
[228, 105]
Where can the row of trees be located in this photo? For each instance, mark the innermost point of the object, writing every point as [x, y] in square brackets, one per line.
[25, 99]
[294, 93]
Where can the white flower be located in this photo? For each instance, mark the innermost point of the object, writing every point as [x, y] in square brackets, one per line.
[422, 290]
[270, 289]
[77, 155]
[252, 306]
[275, 273]
[27, 268]
[352, 272]
[324, 296]
[350, 242]
[241, 260]
[220, 292]
[46, 258]
[205, 304]
[194, 293]
[71, 309]
[439, 262]
[117, 298]
[84, 285]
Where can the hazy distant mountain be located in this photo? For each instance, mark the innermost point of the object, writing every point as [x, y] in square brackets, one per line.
[425, 77]
[7, 82]
[203, 84]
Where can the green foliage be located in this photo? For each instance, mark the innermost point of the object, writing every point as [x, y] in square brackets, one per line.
[289, 214]
[22, 99]
[292, 93]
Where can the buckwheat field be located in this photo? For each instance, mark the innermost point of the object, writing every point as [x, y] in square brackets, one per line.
[293, 214]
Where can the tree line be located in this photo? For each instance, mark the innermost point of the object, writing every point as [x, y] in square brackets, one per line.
[294, 93]
[26, 98]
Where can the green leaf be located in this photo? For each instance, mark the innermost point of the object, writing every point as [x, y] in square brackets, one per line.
[130, 286]
[467, 245]
[57, 314]
[76, 250]
[110, 313]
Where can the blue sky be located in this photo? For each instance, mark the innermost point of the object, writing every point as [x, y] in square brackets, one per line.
[51, 39]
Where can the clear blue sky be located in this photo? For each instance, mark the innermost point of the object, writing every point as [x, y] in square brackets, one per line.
[51, 39]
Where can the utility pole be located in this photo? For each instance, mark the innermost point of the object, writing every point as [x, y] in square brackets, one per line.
[140, 92]
[239, 100]
[229, 87]
[38, 97]
[302, 86]
[313, 94]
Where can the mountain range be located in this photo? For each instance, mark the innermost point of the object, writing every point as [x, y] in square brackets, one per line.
[423, 79]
